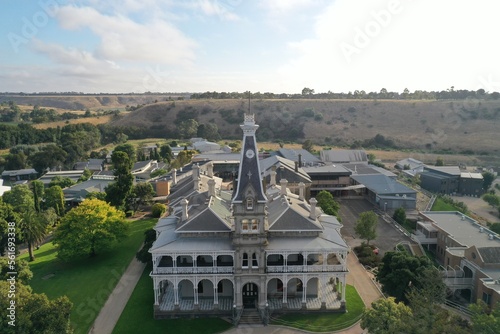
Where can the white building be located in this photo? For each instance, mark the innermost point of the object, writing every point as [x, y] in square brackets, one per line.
[251, 251]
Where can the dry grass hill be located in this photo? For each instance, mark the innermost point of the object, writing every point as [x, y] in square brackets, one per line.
[436, 125]
[460, 126]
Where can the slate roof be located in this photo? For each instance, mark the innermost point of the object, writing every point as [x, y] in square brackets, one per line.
[490, 254]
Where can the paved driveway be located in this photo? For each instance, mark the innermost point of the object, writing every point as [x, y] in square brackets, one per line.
[387, 235]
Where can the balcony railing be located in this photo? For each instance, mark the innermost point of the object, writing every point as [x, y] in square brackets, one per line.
[193, 270]
[311, 268]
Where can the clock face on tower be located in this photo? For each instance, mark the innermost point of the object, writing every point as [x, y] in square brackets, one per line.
[250, 154]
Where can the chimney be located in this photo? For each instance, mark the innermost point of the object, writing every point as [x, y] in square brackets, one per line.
[196, 171]
[300, 160]
[210, 169]
[283, 183]
[211, 187]
[197, 184]
[313, 203]
[273, 175]
[184, 203]
[174, 176]
[296, 166]
[302, 189]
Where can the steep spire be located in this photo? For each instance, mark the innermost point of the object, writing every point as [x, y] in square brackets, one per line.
[249, 171]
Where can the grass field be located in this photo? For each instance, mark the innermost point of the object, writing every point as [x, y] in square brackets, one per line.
[440, 205]
[140, 306]
[88, 282]
[326, 322]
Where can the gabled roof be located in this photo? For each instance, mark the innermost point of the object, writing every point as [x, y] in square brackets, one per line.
[26, 171]
[291, 214]
[206, 221]
[490, 254]
[412, 163]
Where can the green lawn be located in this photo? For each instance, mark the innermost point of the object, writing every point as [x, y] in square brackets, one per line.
[440, 205]
[140, 306]
[87, 282]
[326, 322]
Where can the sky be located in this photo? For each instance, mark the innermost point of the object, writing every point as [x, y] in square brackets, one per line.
[279, 46]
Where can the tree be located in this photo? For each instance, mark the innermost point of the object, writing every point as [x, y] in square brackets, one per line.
[49, 157]
[439, 162]
[54, 198]
[188, 128]
[398, 271]
[21, 267]
[61, 181]
[158, 172]
[307, 91]
[38, 189]
[400, 216]
[492, 199]
[89, 229]
[166, 152]
[97, 195]
[129, 149]
[143, 254]
[142, 193]
[488, 179]
[8, 218]
[327, 203]
[33, 229]
[87, 173]
[484, 321]
[366, 226]
[308, 145]
[386, 316]
[20, 197]
[35, 313]
[15, 161]
[158, 209]
[209, 131]
[119, 191]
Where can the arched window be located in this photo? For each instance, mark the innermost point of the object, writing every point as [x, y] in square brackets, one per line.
[255, 264]
[244, 263]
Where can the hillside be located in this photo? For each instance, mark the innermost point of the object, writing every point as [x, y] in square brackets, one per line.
[83, 102]
[431, 125]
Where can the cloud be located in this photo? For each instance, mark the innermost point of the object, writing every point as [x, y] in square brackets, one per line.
[284, 6]
[123, 39]
[222, 9]
[371, 44]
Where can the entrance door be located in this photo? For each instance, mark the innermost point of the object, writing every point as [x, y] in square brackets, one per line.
[250, 295]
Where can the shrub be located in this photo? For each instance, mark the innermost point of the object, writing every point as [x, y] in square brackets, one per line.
[158, 209]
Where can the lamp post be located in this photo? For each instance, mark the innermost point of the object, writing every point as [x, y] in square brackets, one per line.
[385, 206]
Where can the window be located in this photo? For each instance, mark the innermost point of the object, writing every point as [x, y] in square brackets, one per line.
[255, 225]
[249, 203]
[255, 264]
[245, 226]
[245, 260]
[486, 298]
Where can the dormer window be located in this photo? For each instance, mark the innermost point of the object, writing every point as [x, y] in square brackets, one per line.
[249, 203]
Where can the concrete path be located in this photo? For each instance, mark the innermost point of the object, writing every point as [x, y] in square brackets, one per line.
[113, 308]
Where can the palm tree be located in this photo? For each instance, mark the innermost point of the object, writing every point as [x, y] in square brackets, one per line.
[33, 229]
